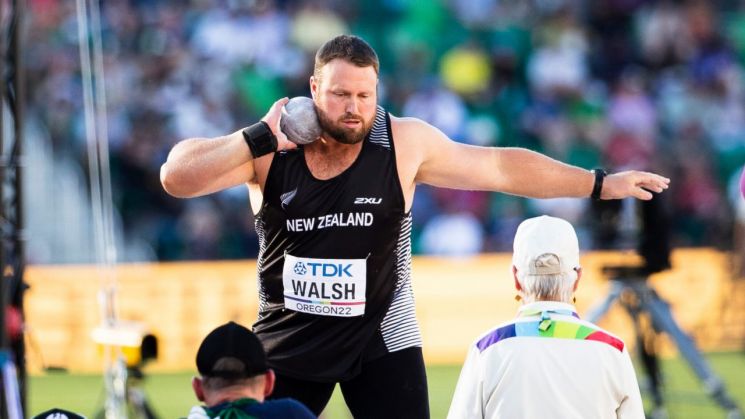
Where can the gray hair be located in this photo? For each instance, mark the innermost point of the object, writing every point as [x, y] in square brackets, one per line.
[548, 287]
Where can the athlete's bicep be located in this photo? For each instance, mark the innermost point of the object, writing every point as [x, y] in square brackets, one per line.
[446, 163]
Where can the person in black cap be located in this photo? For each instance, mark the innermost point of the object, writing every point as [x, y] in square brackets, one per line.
[234, 379]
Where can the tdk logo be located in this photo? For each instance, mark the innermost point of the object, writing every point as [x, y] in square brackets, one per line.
[300, 268]
[323, 269]
[373, 201]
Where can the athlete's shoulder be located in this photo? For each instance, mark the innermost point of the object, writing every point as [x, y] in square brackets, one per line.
[407, 124]
[416, 132]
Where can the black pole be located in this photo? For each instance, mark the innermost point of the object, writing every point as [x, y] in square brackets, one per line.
[18, 345]
[12, 259]
[4, 160]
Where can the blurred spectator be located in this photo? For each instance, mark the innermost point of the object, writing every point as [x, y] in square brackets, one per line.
[440, 107]
[457, 234]
[736, 193]
[315, 24]
[559, 64]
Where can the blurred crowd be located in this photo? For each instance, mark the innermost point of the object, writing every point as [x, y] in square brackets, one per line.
[643, 84]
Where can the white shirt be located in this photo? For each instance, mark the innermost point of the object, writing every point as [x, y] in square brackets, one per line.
[573, 369]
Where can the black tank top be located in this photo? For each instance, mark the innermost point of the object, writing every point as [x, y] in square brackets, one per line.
[334, 263]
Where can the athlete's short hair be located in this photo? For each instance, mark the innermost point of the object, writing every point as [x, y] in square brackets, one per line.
[349, 48]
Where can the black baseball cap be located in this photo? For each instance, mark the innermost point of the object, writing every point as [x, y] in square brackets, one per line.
[231, 340]
[58, 414]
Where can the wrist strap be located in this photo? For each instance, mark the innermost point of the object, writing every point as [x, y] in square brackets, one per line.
[597, 188]
[260, 139]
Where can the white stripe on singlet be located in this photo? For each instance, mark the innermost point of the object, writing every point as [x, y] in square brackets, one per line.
[379, 131]
[260, 263]
[399, 328]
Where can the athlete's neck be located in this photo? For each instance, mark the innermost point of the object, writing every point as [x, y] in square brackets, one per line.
[327, 158]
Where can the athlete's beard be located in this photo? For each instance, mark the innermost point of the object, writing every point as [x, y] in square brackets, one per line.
[339, 132]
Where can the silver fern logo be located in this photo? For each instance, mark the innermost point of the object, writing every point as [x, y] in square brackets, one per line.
[286, 197]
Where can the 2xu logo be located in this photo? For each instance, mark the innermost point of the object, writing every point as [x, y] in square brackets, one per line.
[374, 201]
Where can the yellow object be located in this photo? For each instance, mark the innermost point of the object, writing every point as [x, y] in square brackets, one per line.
[124, 336]
[465, 70]
[456, 300]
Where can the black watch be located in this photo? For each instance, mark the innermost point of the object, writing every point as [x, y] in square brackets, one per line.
[260, 139]
[597, 188]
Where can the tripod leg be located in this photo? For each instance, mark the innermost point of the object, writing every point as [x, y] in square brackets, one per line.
[631, 301]
[663, 320]
[136, 397]
[651, 365]
[647, 354]
[595, 313]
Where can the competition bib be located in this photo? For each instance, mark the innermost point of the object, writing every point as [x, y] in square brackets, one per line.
[326, 287]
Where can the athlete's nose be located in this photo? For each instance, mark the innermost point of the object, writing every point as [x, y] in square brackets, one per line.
[351, 106]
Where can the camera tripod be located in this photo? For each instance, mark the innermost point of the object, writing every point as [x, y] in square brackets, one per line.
[137, 404]
[630, 288]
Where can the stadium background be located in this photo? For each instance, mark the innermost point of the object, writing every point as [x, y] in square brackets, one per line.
[654, 85]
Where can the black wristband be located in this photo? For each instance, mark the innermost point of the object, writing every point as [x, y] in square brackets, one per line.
[260, 139]
[597, 188]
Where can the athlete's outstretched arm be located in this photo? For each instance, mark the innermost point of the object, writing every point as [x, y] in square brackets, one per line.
[446, 163]
[200, 166]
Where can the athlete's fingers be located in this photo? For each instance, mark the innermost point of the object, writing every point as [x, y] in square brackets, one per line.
[272, 116]
[642, 194]
[633, 183]
[283, 143]
[653, 181]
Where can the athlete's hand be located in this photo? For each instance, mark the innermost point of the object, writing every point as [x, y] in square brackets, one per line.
[633, 183]
[272, 119]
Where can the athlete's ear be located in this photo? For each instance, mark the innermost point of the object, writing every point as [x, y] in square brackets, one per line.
[313, 87]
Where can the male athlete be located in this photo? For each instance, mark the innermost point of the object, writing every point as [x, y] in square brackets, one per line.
[334, 226]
